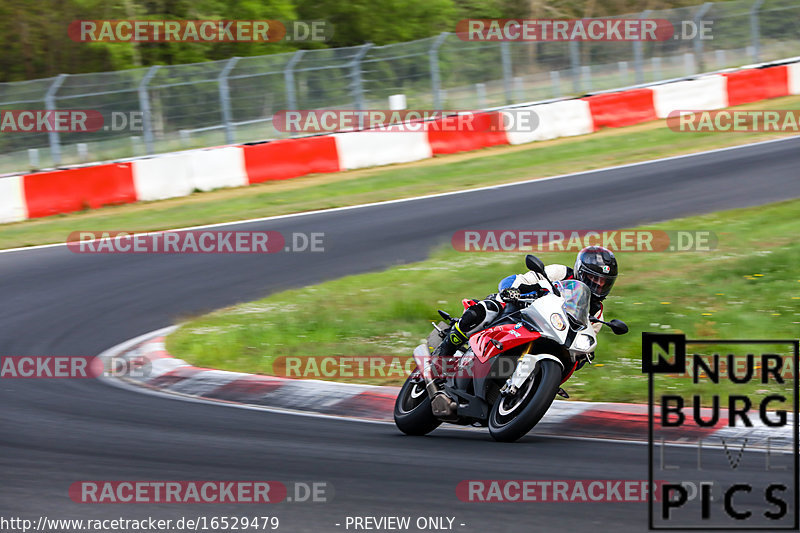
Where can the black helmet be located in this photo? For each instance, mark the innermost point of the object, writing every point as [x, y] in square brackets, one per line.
[597, 268]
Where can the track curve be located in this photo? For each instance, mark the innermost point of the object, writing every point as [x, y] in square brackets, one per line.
[58, 303]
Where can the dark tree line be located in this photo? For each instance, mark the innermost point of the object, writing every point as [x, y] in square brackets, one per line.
[34, 42]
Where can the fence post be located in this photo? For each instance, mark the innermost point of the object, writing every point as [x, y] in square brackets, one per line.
[288, 78]
[33, 157]
[719, 59]
[623, 72]
[555, 81]
[697, 42]
[505, 58]
[480, 90]
[225, 99]
[436, 80]
[575, 60]
[689, 64]
[755, 33]
[638, 55]
[656, 66]
[519, 93]
[586, 77]
[50, 105]
[144, 105]
[355, 71]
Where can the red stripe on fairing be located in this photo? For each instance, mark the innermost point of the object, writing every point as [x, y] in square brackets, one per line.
[483, 348]
[570, 372]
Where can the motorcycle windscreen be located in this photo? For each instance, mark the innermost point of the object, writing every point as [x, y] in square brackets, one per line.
[577, 298]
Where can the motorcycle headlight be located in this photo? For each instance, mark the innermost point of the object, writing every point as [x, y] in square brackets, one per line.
[584, 342]
[558, 322]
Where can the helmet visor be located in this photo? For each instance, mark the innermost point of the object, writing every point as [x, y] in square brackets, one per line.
[599, 284]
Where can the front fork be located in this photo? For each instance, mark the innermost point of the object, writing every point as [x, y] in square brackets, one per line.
[526, 366]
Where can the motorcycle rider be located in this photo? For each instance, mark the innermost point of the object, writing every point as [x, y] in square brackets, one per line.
[595, 266]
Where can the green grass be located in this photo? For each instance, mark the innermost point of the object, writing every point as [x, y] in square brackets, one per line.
[486, 167]
[748, 287]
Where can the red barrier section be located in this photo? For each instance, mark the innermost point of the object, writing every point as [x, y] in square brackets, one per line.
[486, 130]
[753, 84]
[66, 191]
[289, 158]
[613, 110]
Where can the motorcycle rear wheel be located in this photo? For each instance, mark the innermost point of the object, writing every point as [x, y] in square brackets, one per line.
[513, 417]
[412, 409]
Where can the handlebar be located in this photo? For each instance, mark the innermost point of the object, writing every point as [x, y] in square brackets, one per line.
[528, 296]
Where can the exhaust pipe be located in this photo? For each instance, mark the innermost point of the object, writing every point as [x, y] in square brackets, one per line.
[442, 405]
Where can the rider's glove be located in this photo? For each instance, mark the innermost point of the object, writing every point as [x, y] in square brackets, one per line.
[508, 295]
[537, 293]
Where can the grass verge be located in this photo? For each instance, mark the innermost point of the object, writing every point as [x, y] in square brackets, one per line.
[447, 173]
[747, 288]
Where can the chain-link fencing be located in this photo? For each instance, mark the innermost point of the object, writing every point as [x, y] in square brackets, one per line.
[234, 100]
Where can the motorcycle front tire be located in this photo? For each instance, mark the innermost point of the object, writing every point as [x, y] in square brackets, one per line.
[541, 397]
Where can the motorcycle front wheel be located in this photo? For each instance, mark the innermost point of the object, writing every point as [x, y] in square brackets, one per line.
[412, 409]
[514, 416]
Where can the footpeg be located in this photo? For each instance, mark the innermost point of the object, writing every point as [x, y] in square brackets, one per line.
[561, 392]
[443, 406]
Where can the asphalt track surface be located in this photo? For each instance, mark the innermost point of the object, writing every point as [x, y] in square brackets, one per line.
[55, 432]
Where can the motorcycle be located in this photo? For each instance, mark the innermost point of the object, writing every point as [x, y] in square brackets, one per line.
[512, 370]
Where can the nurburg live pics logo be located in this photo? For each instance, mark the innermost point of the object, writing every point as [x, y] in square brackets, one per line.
[726, 489]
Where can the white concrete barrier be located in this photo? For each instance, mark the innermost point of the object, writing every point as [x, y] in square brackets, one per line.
[165, 176]
[217, 168]
[518, 133]
[173, 175]
[794, 78]
[708, 92]
[12, 199]
[571, 117]
[360, 149]
[557, 119]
